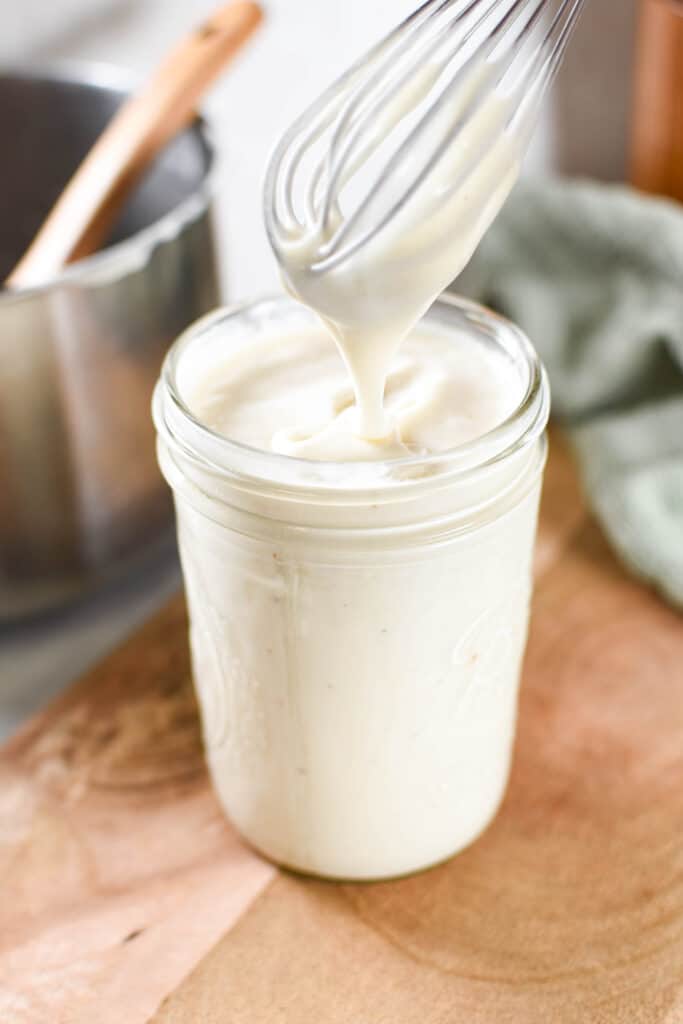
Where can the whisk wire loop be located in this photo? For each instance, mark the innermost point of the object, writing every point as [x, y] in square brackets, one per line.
[425, 82]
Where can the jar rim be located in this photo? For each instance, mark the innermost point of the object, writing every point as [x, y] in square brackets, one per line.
[177, 424]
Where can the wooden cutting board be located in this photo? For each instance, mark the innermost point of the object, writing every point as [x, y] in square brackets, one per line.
[128, 898]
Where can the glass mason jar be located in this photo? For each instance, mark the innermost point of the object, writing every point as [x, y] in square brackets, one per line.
[357, 628]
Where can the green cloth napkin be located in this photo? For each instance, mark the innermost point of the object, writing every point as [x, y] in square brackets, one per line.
[594, 275]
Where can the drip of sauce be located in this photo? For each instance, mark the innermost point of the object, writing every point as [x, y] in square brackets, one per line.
[371, 300]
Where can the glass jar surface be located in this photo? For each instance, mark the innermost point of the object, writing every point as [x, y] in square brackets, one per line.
[357, 629]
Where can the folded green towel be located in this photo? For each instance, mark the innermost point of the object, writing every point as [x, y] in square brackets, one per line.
[594, 274]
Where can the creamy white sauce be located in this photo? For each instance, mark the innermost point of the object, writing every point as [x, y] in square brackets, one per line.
[356, 653]
[293, 396]
[291, 393]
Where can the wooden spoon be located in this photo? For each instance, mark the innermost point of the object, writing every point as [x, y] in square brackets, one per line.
[80, 219]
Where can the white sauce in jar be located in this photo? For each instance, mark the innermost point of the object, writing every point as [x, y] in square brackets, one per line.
[291, 394]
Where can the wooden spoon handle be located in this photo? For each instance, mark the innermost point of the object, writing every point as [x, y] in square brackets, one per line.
[79, 221]
[657, 130]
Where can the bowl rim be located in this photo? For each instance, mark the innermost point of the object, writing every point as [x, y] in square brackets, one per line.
[115, 78]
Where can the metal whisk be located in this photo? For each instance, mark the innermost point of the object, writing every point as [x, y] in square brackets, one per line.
[392, 116]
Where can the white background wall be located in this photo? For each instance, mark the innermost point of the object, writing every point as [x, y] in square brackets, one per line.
[303, 45]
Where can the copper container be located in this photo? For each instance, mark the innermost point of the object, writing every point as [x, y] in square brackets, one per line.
[657, 137]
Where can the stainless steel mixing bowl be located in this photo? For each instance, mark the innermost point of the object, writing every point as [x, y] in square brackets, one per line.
[81, 497]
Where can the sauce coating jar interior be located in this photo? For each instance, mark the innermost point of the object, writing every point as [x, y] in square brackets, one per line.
[357, 629]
